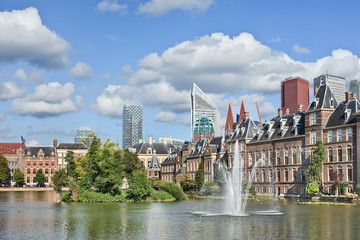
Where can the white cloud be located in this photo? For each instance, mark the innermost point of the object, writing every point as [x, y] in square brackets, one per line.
[106, 76]
[21, 74]
[296, 48]
[10, 90]
[4, 128]
[110, 102]
[33, 143]
[51, 99]
[81, 70]
[165, 117]
[220, 64]
[2, 117]
[277, 39]
[113, 38]
[112, 6]
[28, 39]
[35, 76]
[162, 7]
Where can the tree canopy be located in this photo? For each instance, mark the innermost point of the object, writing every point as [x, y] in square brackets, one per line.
[4, 169]
[19, 177]
[40, 177]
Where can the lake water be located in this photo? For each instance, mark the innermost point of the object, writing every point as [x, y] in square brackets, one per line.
[37, 215]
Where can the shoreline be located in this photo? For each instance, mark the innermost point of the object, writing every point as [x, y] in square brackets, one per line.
[30, 189]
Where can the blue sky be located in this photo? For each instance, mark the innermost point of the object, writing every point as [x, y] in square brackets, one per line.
[66, 65]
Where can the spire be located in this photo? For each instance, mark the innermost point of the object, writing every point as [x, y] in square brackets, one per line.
[242, 112]
[229, 119]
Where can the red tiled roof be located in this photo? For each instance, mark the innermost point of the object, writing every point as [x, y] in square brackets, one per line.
[9, 148]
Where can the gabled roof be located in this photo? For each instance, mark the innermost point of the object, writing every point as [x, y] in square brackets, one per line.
[160, 148]
[154, 164]
[245, 130]
[199, 148]
[323, 99]
[338, 117]
[9, 148]
[290, 125]
[171, 158]
[71, 146]
[34, 150]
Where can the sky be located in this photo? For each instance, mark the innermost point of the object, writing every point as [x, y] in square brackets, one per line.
[68, 65]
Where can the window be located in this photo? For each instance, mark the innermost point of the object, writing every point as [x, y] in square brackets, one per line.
[257, 176]
[46, 171]
[331, 175]
[286, 175]
[339, 135]
[242, 145]
[294, 190]
[303, 176]
[28, 163]
[278, 175]
[340, 173]
[349, 175]
[264, 189]
[349, 134]
[294, 156]
[294, 175]
[285, 189]
[312, 119]
[349, 154]
[28, 171]
[303, 156]
[46, 163]
[52, 171]
[271, 158]
[257, 156]
[339, 154]
[28, 179]
[278, 157]
[52, 163]
[263, 157]
[34, 170]
[286, 155]
[331, 159]
[250, 159]
[60, 155]
[330, 136]
[313, 137]
[263, 176]
[270, 176]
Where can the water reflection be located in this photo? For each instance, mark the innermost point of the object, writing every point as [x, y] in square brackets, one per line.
[38, 215]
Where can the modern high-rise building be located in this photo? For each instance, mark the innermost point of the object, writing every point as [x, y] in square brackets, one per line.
[205, 116]
[336, 84]
[294, 92]
[355, 88]
[84, 136]
[132, 125]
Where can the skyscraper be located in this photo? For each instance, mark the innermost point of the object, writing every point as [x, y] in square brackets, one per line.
[336, 84]
[84, 136]
[132, 125]
[205, 116]
[294, 92]
[355, 88]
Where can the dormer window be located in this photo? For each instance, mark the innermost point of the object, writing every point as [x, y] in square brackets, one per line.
[242, 130]
[316, 101]
[347, 114]
[332, 102]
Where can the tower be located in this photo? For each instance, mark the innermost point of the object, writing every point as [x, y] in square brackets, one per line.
[337, 85]
[294, 92]
[132, 125]
[202, 106]
[355, 88]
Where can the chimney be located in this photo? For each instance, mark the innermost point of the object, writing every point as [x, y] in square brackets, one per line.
[55, 142]
[287, 111]
[280, 112]
[300, 108]
[353, 95]
[140, 140]
[246, 115]
[164, 140]
[347, 96]
[150, 139]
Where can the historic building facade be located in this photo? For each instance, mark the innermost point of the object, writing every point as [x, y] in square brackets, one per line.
[13, 152]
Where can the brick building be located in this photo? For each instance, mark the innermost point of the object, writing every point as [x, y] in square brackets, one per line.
[13, 152]
[294, 92]
[79, 150]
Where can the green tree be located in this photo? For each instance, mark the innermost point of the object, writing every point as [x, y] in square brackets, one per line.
[313, 173]
[91, 167]
[187, 184]
[174, 189]
[199, 177]
[4, 169]
[19, 177]
[71, 165]
[312, 188]
[40, 177]
[59, 179]
[139, 187]
[131, 163]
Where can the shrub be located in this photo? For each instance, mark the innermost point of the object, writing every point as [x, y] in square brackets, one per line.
[357, 190]
[174, 189]
[252, 191]
[157, 184]
[312, 188]
[209, 188]
[161, 195]
[187, 184]
[139, 187]
[91, 196]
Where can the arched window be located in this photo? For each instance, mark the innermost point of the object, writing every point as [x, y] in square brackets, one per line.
[294, 156]
[250, 159]
[331, 172]
[340, 173]
[349, 174]
[278, 157]
[330, 155]
[340, 154]
[286, 175]
[349, 153]
[264, 189]
[263, 176]
[286, 156]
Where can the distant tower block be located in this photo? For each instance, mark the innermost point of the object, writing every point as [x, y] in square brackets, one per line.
[294, 92]
[336, 84]
[132, 125]
[355, 88]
